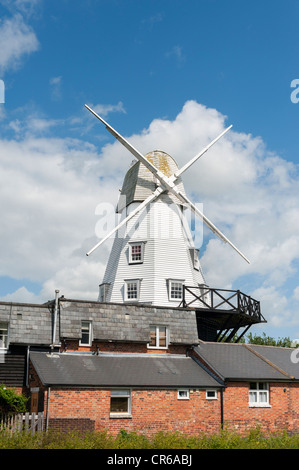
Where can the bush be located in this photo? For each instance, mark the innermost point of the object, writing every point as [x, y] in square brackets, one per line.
[11, 402]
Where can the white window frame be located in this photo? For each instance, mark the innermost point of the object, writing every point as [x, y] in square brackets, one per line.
[171, 282]
[121, 393]
[259, 396]
[4, 330]
[157, 336]
[212, 391]
[195, 258]
[89, 323]
[131, 281]
[131, 245]
[183, 394]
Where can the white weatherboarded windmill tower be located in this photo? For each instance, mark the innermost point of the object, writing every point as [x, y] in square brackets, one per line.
[153, 255]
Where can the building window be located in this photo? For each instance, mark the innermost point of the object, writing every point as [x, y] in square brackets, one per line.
[136, 252]
[175, 290]
[120, 402]
[86, 333]
[159, 337]
[258, 394]
[3, 335]
[194, 256]
[211, 394]
[132, 290]
[183, 394]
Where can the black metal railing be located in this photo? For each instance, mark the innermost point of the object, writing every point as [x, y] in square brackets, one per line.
[203, 297]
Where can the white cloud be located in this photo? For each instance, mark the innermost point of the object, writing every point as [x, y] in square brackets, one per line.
[17, 39]
[55, 83]
[105, 109]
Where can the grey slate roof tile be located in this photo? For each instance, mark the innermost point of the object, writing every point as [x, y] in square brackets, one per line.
[120, 370]
[239, 361]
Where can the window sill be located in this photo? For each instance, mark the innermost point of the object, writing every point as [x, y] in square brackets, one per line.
[120, 415]
[259, 405]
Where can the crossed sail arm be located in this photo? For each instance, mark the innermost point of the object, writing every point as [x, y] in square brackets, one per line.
[166, 184]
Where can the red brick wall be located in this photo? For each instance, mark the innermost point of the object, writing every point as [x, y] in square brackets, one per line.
[152, 411]
[283, 414]
[73, 345]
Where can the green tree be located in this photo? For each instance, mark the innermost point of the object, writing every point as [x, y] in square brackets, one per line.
[268, 340]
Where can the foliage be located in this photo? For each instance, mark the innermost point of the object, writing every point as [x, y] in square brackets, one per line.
[268, 340]
[226, 439]
[11, 402]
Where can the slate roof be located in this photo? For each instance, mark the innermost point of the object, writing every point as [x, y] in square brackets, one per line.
[28, 323]
[32, 324]
[126, 322]
[233, 361]
[123, 370]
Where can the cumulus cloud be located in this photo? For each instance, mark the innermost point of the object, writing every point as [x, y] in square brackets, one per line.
[249, 192]
[17, 39]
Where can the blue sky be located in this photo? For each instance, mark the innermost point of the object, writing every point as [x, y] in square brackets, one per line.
[165, 73]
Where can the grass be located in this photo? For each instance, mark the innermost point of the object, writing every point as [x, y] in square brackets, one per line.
[254, 439]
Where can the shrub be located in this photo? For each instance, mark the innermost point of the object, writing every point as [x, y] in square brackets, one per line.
[11, 402]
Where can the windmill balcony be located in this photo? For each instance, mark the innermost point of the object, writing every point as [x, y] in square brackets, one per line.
[221, 313]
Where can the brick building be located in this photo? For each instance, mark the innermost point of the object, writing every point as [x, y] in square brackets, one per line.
[94, 365]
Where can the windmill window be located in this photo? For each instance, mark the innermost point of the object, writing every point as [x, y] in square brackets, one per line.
[86, 333]
[3, 335]
[175, 290]
[158, 337]
[136, 252]
[132, 289]
[194, 256]
[259, 394]
[120, 403]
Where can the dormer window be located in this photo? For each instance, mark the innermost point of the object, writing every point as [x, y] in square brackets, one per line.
[175, 289]
[86, 333]
[159, 337]
[194, 257]
[136, 252]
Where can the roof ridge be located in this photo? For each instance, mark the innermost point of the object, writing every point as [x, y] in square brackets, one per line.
[267, 361]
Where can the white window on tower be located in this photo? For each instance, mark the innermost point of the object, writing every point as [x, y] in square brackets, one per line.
[175, 289]
[136, 252]
[132, 290]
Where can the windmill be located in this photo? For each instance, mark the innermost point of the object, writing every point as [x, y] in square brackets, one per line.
[147, 268]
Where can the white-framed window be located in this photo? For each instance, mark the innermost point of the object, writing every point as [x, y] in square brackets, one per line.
[183, 394]
[136, 252]
[120, 403]
[159, 337]
[211, 394]
[259, 394]
[132, 290]
[3, 335]
[86, 333]
[175, 288]
[194, 252]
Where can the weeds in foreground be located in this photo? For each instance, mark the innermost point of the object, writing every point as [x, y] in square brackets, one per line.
[254, 439]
